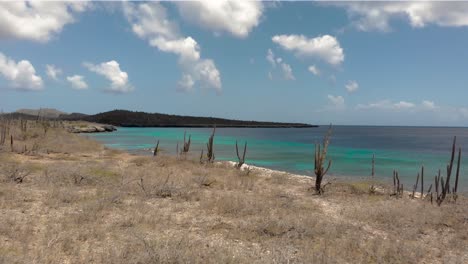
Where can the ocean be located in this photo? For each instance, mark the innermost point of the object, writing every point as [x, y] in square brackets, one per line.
[404, 149]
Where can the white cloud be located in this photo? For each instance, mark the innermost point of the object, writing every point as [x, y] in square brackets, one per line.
[430, 105]
[149, 21]
[403, 105]
[284, 67]
[111, 71]
[186, 83]
[287, 71]
[77, 82]
[53, 72]
[326, 48]
[36, 20]
[235, 17]
[271, 58]
[206, 73]
[314, 70]
[187, 48]
[389, 105]
[22, 75]
[369, 16]
[338, 102]
[352, 86]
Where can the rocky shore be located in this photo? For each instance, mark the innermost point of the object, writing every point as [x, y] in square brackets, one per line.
[91, 128]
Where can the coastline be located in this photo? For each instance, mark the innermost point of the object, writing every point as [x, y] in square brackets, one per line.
[67, 198]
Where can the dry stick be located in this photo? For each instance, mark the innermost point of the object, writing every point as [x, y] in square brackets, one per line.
[11, 142]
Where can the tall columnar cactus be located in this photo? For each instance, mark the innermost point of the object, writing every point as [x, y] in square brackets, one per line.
[422, 182]
[397, 186]
[241, 160]
[186, 146]
[210, 147]
[320, 158]
[445, 185]
[415, 186]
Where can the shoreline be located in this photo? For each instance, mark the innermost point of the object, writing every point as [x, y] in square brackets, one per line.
[67, 198]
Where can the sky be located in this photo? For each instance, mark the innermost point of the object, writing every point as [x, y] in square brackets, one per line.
[346, 63]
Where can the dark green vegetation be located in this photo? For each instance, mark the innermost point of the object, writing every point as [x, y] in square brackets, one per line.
[141, 119]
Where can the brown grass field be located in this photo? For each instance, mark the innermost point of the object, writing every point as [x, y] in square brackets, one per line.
[80, 202]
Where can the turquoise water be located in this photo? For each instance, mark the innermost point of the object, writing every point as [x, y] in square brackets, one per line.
[292, 149]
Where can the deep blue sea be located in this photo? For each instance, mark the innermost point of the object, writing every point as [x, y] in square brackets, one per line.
[292, 149]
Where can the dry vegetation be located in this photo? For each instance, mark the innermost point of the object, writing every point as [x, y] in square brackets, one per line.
[82, 203]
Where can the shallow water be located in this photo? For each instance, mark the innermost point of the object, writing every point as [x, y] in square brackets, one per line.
[292, 149]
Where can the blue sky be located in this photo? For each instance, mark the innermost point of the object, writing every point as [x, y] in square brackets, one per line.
[397, 63]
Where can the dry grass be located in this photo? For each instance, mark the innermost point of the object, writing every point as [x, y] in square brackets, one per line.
[86, 204]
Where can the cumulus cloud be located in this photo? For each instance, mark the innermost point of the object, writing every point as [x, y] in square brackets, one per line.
[235, 17]
[284, 67]
[21, 75]
[53, 72]
[326, 48]
[111, 71]
[314, 70]
[352, 86]
[36, 20]
[149, 21]
[337, 102]
[369, 16]
[77, 82]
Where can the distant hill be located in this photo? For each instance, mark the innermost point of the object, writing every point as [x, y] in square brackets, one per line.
[43, 112]
[126, 118]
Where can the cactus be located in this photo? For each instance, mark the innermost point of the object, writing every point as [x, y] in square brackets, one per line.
[156, 149]
[320, 157]
[241, 160]
[445, 185]
[455, 195]
[201, 157]
[415, 186]
[372, 186]
[210, 148]
[422, 182]
[397, 187]
[186, 147]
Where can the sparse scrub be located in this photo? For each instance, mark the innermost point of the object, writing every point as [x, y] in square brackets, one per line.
[88, 204]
